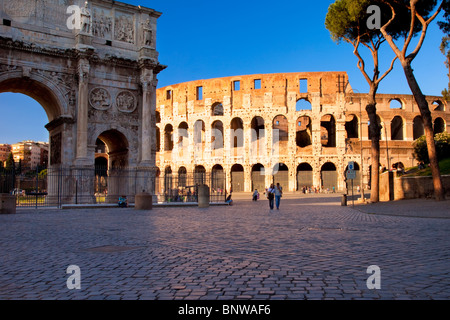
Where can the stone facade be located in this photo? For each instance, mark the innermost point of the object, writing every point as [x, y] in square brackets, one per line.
[299, 129]
[93, 67]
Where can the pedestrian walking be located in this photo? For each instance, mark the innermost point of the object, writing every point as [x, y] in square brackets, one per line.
[255, 195]
[278, 193]
[271, 195]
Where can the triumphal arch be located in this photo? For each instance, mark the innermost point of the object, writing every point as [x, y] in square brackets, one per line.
[93, 67]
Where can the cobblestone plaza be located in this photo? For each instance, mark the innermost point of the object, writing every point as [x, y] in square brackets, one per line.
[312, 248]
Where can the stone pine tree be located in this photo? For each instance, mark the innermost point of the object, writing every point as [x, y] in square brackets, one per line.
[445, 27]
[348, 20]
[417, 15]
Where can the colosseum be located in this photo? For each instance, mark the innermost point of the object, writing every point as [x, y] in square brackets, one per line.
[298, 129]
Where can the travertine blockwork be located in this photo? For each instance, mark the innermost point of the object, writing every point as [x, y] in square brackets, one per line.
[299, 129]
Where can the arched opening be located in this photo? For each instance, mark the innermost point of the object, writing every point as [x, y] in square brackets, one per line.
[33, 118]
[395, 104]
[46, 97]
[115, 145]
[182, 177]
[157, 117]
[304, 177]
[23, 135]
[217, 139]
[217, 109]
[351, 126]
[438, 125]
[168, 137]
[303, 132]
[328, 131]
[37, 105]
[418, 129]
[280, 174]
[183, 140]
[257, 136]
[329, 176]
[397, 128]
[237, 178]
[302, 105]
[168, 183]
[280, 135]
[217, 180]
[437, 105]
[199, 175]
[258, 177]
[237, 137]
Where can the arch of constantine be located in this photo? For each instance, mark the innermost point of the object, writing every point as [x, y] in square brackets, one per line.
[93, 67]
[298, 129]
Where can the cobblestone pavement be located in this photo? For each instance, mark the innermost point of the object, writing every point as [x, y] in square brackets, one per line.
[312, 248]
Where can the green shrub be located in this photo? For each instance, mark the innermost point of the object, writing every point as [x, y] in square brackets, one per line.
[442, 142]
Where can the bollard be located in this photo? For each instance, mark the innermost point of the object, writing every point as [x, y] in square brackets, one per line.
[203, 196]
[344, 200]
[143, 201]
[7, 203]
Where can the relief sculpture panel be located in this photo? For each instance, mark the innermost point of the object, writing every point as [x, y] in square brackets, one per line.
[126, 102]
[124, 28]
[100, 99]
[102, 23]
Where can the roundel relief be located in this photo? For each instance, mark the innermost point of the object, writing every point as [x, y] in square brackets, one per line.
[100, 99]
[125, 101]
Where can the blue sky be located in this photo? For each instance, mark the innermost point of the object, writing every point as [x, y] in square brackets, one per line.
[201, 39]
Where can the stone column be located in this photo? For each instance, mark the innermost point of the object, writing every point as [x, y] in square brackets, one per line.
[247, 178]
[148, 115]
[409, 131]
[82, 112]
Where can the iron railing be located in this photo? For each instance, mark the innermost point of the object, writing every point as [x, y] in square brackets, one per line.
[56, 187]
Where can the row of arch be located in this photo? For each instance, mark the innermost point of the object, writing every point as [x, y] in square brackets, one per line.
[279, 173]
[258, 125]
[303, 104]
[280, 123]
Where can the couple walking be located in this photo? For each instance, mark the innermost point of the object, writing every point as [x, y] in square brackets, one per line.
[274, 193]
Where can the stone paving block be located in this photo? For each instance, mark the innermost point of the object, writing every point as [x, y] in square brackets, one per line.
[261, 259]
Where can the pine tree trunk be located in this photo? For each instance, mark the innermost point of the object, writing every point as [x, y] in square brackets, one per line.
[428, 128]
[374, 130]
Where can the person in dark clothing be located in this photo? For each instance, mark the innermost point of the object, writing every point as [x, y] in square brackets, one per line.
[271, 195]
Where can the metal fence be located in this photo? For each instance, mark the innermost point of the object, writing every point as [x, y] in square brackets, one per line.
[56, 187]
[184, 187]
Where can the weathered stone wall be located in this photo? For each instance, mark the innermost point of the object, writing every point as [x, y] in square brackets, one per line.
[326, 134]
[417, 187]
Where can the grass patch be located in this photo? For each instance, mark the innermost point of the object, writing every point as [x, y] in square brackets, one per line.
[444, 166]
